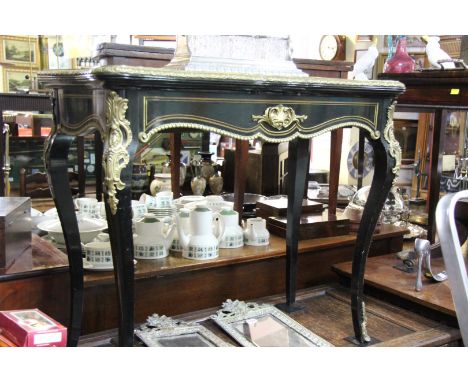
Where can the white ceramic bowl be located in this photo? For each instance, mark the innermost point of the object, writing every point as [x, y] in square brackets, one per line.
[89, 228]
[37, 217]
[214, 206]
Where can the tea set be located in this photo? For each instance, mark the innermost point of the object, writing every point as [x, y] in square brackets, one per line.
[194, 226]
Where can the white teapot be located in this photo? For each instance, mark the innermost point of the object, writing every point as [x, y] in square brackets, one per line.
[184, 223]
[150, 242]
[233, 236]
[255, 232]
[200, 243]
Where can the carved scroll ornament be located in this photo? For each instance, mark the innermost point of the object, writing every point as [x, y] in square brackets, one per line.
[118, 138]
[280, 117]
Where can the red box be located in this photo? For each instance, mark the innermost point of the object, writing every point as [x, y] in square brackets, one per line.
[25, 132]
[32, 328]
[45, 131]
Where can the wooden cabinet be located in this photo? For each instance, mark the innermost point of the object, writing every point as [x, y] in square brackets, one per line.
[435, 92]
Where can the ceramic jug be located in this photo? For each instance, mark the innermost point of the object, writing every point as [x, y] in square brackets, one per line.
[200, 243]
[184, 223]
[150, 241]
[255, 232]
[233, 236]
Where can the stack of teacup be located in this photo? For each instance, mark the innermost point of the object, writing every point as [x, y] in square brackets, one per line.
[161, 205]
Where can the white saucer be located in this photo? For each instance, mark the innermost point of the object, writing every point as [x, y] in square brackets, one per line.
[90, 267]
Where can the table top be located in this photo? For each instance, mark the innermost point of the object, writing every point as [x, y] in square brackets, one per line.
[46, 257]
[174, 76]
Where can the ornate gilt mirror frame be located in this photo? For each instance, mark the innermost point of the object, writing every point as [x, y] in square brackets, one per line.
[162, 331]
[251, 324]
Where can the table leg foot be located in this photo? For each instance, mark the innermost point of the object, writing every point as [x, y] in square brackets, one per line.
[290, 308]
[354, 341]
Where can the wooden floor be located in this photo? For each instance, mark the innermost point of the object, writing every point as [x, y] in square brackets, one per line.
[327, 313]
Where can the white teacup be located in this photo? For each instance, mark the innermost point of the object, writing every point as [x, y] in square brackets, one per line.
[87, 206]
[148, 200]
[164, 199]
[138, 209]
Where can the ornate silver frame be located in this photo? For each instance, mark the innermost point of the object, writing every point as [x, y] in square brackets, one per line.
[238, 312]
[160, 330]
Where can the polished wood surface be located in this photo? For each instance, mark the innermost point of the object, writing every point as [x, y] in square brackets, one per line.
[381, 274]
[312, 225]
[325, 313]
[175, 285]
[241, 157]
[432, 89]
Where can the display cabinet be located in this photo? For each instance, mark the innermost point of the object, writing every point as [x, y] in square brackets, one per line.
[439, 92]
[130, 104]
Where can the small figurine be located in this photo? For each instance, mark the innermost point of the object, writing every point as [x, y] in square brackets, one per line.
[362, 69]
[436, 56]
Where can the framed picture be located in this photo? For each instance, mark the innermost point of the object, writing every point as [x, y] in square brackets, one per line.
[364, 38]
[20, 50]
[162, 331]
[18, 80]
[411, 42]
[358, 53]
[251, 324]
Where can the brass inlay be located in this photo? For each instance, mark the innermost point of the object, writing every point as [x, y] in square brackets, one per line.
[364, 334]
[375, 105]
[394, 148]
[118, 138]
[314, 131]
[280, 117]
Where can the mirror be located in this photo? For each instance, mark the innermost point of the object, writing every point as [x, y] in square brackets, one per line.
[251, 324]
[162, 331]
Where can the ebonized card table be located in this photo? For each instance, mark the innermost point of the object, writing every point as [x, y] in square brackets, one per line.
[128, 105]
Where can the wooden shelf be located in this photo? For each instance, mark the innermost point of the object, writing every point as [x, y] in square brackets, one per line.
[175, 285]
[387, 282]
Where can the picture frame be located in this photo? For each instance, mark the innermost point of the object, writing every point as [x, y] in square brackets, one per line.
[255, 325]
[412, 42]
[14, 79]
[364, 38]
[358, 53]
[19, 50]
[163, 331]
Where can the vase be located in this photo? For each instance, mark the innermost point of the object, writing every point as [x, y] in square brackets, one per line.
[206, 165]
[198, 185]
[401, 62]
[161, 182]
[139, 180]
[166, 169]
[216, 184]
